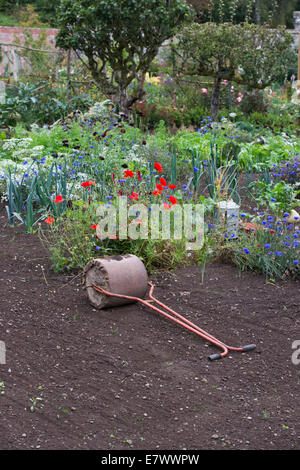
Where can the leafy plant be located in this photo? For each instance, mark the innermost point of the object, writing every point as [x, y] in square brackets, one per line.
[246, 54]
[119, 39]
[36, 403]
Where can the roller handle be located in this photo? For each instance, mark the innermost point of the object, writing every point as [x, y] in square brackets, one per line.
[249, 347]
[213, 357]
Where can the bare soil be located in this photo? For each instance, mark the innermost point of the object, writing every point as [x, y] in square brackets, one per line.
[127, 378]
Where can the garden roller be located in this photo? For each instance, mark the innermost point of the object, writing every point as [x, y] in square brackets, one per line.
[118, 280]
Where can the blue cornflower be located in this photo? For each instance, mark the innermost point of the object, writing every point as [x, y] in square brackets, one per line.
[246, 250]
[295, 261]
[267, 245]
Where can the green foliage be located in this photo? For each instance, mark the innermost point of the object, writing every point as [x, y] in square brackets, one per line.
[120, 39]
[274, 121]
[38, 103]
[254, 102]
[278, 197]
[272, 252]
[273, 12]
[30, 196]
[72, 243]
[45, 9]
[246, 54]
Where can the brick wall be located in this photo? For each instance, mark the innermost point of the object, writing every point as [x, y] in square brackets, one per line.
[8, 35]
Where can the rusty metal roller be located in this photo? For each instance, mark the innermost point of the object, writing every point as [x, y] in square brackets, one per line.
[122, 274]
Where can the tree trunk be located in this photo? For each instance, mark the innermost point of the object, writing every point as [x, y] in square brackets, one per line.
[257, 12]
[125, 101]
[215, 99]
[122, 101]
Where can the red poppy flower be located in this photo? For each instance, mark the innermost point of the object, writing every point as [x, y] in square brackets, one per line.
[172, 186]
[94, 226]
[159, 187]
[156, 193]
[134, 196]
[167, 206]
[49, 220]
[87, 184]
[163, 182]
[139, 175]
[158, 166]
[173, 199]
[128, 173]
[258, 245]
[58, 199]
[272, 231]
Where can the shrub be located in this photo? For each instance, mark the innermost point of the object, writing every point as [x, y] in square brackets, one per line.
[253, 101]
[72, 242]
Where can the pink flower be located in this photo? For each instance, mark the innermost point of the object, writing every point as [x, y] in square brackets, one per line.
[204, 90]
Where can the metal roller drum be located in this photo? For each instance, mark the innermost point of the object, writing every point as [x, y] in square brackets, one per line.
[122, 274]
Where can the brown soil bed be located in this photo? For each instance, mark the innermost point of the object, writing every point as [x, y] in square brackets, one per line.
[127, 378]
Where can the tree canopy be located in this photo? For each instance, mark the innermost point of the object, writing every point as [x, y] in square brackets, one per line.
[247, 54]
[274, 12]
[118, 39]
